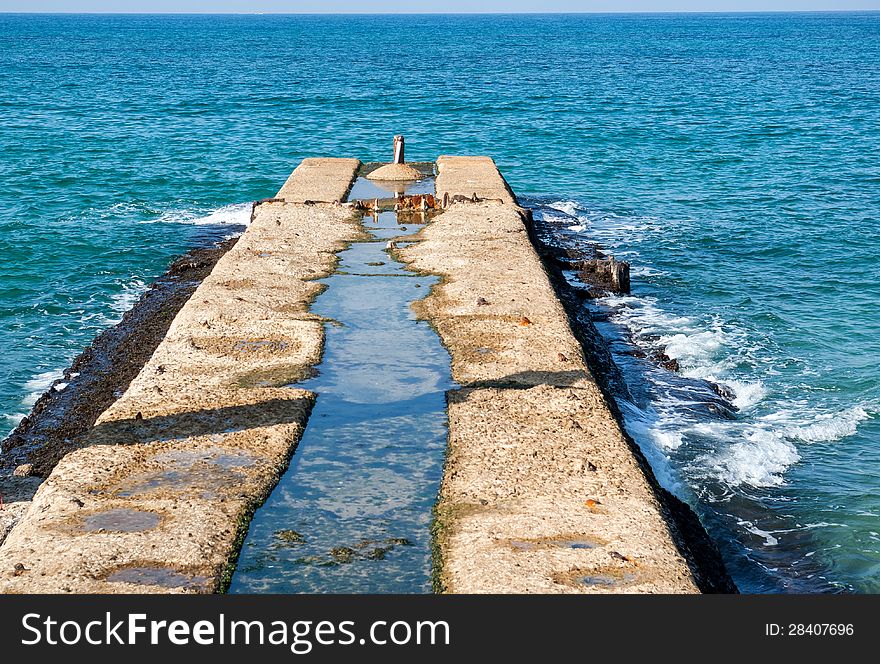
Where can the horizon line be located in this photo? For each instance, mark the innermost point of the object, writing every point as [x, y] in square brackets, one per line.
[434, 13]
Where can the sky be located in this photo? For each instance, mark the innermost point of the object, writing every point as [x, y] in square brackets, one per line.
[417, 6]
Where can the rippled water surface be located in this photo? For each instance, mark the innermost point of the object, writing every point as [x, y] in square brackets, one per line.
[731, 158]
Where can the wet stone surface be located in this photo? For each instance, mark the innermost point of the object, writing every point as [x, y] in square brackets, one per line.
[121, 520]
[164, 577]
[606, 579]
[189, 470]
[561, 543]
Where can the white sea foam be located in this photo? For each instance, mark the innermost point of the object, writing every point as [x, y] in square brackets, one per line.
[829, 427]
[695, 350]
[612, 230]
[642, 316]
[38, 385]
[769, 539]
[643, 426]
[746, 394]
[667, 440]
[130, 294]
[645, 271]
[760, 444]
[760, 460]
[568, 207]
[238, 214]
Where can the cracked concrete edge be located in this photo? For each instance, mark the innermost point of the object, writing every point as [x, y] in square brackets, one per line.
[159, 497]
[541, 492]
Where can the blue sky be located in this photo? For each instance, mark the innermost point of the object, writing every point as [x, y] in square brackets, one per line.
[347, 6]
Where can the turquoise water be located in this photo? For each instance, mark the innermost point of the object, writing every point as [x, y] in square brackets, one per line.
[731, 158]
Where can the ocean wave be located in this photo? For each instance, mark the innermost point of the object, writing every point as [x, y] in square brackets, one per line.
[759, 461]
[746, 394]
[753, 445]
[38, 385]
[613, 230]
[644, 425]
[237, 214]
[570, 208]
[752, 449]
[830, 427]
[696, 350]
[131, 292]
[234, 214]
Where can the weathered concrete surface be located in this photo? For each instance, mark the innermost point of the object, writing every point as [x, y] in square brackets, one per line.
[160, 494]
[320, 180]
[466, 176]
[17, 494]
[541, 492]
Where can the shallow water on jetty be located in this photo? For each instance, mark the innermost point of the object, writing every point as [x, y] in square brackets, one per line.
[353, 512]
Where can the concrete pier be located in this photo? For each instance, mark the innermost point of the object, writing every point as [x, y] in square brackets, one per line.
[541, 492]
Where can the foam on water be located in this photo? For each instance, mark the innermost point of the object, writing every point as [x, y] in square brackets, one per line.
[758, 458]
[747, 394]
[827, 427]
[238, 214]
[707, 348]
[38, 385]
[769, 539]
[124, 300]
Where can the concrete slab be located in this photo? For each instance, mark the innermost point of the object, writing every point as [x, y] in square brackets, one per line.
[466, 176]
[320, 180]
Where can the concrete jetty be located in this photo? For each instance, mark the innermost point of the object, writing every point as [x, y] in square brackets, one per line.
[541, 491]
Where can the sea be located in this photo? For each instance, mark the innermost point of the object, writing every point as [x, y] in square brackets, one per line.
[732, 159]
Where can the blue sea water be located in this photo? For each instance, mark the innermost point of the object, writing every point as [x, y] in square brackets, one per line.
[732, 159]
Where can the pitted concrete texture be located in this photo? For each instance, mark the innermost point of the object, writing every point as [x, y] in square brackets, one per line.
[495, 300]
[162, 490]
[466, 176]
[541, 492]
[320, 180]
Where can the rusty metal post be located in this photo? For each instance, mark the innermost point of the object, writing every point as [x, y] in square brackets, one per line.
[398, 149]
